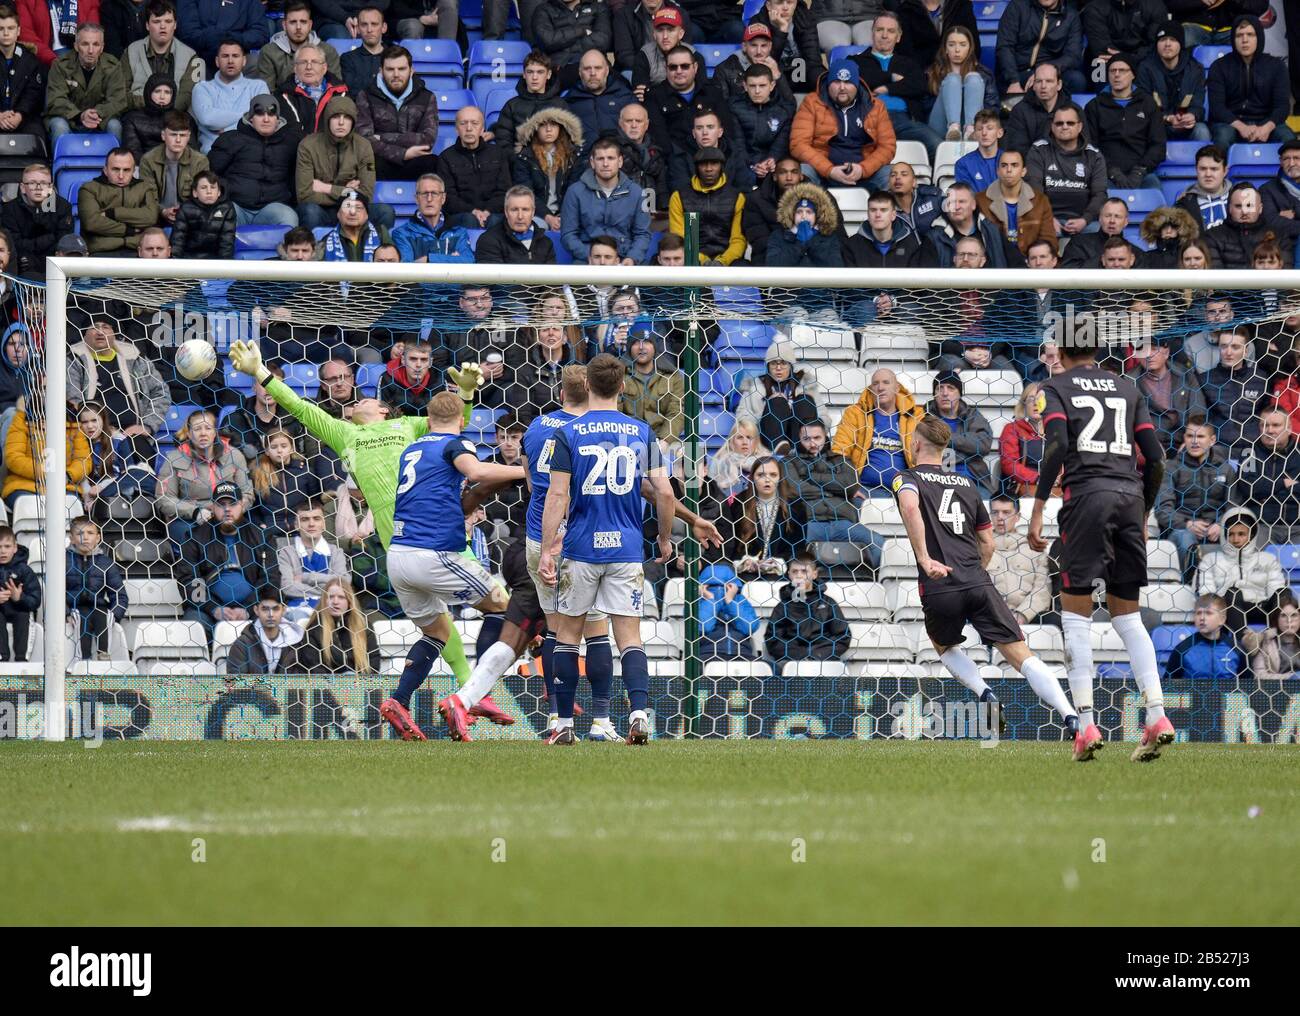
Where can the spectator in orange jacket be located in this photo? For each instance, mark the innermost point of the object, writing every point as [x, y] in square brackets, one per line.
[844, 132]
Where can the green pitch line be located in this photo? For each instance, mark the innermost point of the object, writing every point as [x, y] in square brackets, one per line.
[708, 832]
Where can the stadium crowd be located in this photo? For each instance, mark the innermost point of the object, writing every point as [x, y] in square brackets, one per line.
[232, 115]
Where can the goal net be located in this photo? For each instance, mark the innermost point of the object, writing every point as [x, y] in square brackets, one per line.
[176, 525]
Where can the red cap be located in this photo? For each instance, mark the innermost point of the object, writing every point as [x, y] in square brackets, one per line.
[756, 31]
[668, 16]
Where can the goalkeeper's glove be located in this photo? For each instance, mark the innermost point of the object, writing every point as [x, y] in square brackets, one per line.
[468, 378]
[247, 359]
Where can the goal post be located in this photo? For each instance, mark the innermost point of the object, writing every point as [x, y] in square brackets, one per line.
[895, 318]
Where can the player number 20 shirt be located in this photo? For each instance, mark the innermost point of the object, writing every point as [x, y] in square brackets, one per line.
[429, 513]
[606, 455]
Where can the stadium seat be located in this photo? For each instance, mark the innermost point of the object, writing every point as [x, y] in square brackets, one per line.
[182, 668]
[852, 203]
[1162, 562]
[840, 557]
[736, 670]
[1206, 55]
[713, 53]
[897, 561]
[83, 151]
[1081, 99]
[485, 84]
[451, 101]
[434, 56]
[562, 253]
[445, 139]
[1289, 555]
[715, 428]
[368, 375]
[763, 595]
[443, 82]
[69, 182]
[1172, 601]
[745, 338]
[493, 104]
[1045, 641]
[816, 670]
[923, 648]
[992, 387]
[820, 343]
[472, 235]
[153, 598]
[1107, 646]
[258, 241]
[400, 194]
[395, 638]
[845, 52]
[739, 298]
[988, 14]
[715, 386]
[1174, 189]
[1140, 201]
[1166, 639]
[1180, 160]
[663, 640]
[751, 8]
[174, 421]
[860, 601]
[235, 381]
[102, 668]
[169, 640]
[989, 48]
[302, 378]
[880, 515]
[1254, 162]
[915, 153]
[879, 641]
[498, 53]
[908, 342]
[945, 161]
[1133, 234]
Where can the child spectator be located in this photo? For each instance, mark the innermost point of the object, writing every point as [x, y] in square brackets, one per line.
[260, 645]
[809, 233]
[114, 469]
[142, 129]
[1249, 580]
[1212, 652]
[25, 458]
[336, 639]
[547, 160]
[807, 623]
[283, 484]
[409, 383]
[1278, 656]
[728, 621]
[20, 597]
[96, 590]
[205, 224]
[307, 561]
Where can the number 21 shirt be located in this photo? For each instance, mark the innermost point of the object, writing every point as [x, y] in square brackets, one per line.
[1102, 412]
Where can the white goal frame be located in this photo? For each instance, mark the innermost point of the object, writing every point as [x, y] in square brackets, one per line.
[61, 271]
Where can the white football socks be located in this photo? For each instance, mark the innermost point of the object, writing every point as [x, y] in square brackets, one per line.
[1142, 657]
[1079, 670]
[491, 665]
[1046, 685]
[964, 669]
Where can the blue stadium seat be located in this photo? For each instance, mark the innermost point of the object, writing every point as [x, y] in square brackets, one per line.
[225, 412]
[450, 100]
[434, 56]
[494, 102]
[1133, 234]
[1206, 55]
[174, 421]
[446, 138]
[82, 151]
[715, 427]
[751, 8]
[235, 381]
[342, 46]
[368, 375]
[1166, 637]
[989, 13]
[746, 298]
[258, 240]
[715, 386]
[1289, 555]
[1254, 162]
[714, 53]
[400, 194]
[562, 255]
[1173, 190]
[302, 378]
[846, 51]
[499, 54]
[1081, 99]
[747, 369]
[1180, 160]
[1139, 201]
[471, 13]
[442, 82]
[473, 235]
[483, 85]
[70, 181]
[745, 338]
[989, 49]
[482, 419]
[320, 232]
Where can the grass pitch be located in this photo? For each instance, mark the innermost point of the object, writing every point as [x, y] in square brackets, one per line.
[683, 832]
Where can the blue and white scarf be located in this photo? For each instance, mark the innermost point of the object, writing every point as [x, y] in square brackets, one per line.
[335, 250]
[63, 19]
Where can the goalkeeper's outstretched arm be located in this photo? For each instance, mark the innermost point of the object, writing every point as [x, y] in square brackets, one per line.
[247, 359]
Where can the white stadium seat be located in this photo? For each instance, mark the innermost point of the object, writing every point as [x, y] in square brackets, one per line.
[852, 203]
[880, 641]
[153, 598]
[860, 601]
[395, 638]
[181, 668]
[842, 386]
[169, 640]
[763, 596]
[945, 161]
[822, 343]
[222, 638]
[1045, 642]
[29, 514]
[1162, 562]
[1107, 646]
[1174, 602]
[663, 640]
[880, 515]
[919, 382]
[923, 648]
[992, 388]
[736, 670]
[897, 560]
[890, 341]
[826, 669]
[904, 601]
[915, 153]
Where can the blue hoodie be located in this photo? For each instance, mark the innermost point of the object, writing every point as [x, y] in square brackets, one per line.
[716, 612]
[1201, 659]
[441, 244]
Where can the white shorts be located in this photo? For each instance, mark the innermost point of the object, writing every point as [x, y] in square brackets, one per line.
[616, 588]
[547, 596]
[427, 582]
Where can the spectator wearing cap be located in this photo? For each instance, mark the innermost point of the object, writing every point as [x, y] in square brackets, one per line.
[1127, 126]
[633, 27]
[1021, 213]
[1176, 80]
[220, 103]
[809, 233]
[1249, 90]
[115, 207]
[673, 103]
[650, 65]
[897, 81]
[333, 162]
[795, 45]
[844, 132]
[651, 391]
[719, 205]
[257, 162]
[604, 202]
[755, 48]
[1282, 194]
[762, 116]
[1032, 32]
[972, 437]
[226, 555]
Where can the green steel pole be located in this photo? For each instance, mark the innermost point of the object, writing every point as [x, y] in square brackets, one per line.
[691, 441]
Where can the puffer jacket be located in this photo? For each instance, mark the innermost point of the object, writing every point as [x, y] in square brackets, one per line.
[391, 129]
[96, 582]
[822, 249]
[1195, 490]
[1131, 135]
[764, 131]
[335, 160]
[142, 128]
[853, 436]
[1254, 573]
[256, 171]
[113, 217]
[827, 484]
[146, 390]
[1164, 253]
[759, 220]
[1233, 244]
[1261, 481]
[188, 478]
[807, 627]
[1027, 30]
[20, 572]
[528, 171]
[68, 94]
[565, 32]
[719, 208]
[1074, 182]
[717, 613]
[153, 170]
[475, 178]
[1254, 93]
[438, 244]
[1020, 575]
[1197, 658]
[756, 389]
[1127, 26]
[819, 121]
[921, 33]
[523, 106]
[204, 231]
[25, 457]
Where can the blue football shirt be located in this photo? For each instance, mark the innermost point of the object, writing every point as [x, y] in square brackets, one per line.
[539, 446]
[428, 512]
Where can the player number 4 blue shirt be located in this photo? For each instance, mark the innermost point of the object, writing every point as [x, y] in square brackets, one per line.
[539, 448]
[606, 454]
[428, 512]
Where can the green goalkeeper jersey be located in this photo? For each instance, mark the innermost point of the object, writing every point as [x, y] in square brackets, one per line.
[370, 452]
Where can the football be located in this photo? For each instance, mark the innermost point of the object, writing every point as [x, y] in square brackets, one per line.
[195, 359]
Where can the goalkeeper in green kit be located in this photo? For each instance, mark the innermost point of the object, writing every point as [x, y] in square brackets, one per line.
[370, 446]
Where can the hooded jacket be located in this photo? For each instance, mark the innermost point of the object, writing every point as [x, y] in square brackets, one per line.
[275, 61]
[68, 94]
[1033, 220]
[34, 231]
[756, 389]
[1074, 182]
[827, 484]
[785, 249]
[1131, 135]
[853, 435]
[1029, 35]
[971, 442]
[548, 188]
[113, 217]
[247, 654]
[599, 113]
[588, 213]
[256, 170]
[1164, 253]
[1195, 491]
[136, 69]
[475, 178]
[1255, 92]
[1206, 209]
[565, 33]
[523, 106]
[1127, 26]
[759, 219]
[188, 477]
[720, 207]
[14, 379]
[95, 583]
[1254, 573]
[720, 619]
[1198, 658]
[1261, 477]
[25, 457]
[819, 121]
[1182, 88]
[304, 114]
[921, 32]
[905, 249]
[335, 160]
[809, 626]
[153, 171]
[392, 128]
